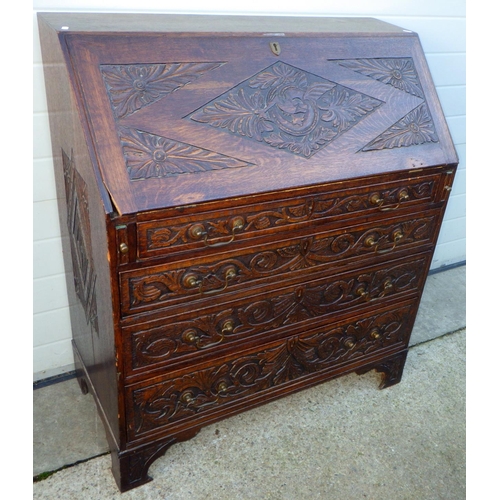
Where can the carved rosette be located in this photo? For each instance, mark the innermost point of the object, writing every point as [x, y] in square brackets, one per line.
[414, 129]
[131, 87]
[294, 358]
[148, 156]
[289, 109]
[397, 72]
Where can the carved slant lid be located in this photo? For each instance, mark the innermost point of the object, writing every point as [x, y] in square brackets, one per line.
[179, 119]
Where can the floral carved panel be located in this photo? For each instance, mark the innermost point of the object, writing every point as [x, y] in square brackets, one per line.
[397, 72]
[131, 87]
[287, 108]
[416, 127]
[148, 155]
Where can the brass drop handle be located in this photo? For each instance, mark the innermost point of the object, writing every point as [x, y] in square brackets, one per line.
[221, 388]
[191, 337]
[363, 293]
[387, 287]
[187, 397]
[376, 200]
[192, 281]
[349, 343]
[198, 231]
[229, 275]
[372, 242]
[227, 327]
[375, 334]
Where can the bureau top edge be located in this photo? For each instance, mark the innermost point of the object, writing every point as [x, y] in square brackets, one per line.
[197, 25]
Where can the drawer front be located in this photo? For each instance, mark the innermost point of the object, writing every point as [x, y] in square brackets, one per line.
[226, 227]
[163, 342]
[164, 286]
[253, 374]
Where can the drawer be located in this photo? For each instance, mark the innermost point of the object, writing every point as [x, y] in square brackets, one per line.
[227, 226]
[248, 375]
[183, 336]
[164, 286]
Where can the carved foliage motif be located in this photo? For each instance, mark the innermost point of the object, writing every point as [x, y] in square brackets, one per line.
[288, 108]
[168, 342]
[296, 357]
[311, 208]
[148, 155]
[131, 87]
[282, 106]
[416, 127]
[306, 253]
[171, 341]
[314, 300]
[78, 221]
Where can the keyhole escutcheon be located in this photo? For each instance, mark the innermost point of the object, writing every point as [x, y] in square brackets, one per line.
[275, 48]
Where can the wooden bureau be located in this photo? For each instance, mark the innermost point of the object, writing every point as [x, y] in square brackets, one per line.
[249, 206]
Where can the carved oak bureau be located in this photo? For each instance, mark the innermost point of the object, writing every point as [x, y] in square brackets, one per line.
[249, 207]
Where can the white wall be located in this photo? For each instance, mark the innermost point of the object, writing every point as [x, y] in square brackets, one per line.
[441, 26]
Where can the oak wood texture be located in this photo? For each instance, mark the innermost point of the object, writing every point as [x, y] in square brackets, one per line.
[249, 207]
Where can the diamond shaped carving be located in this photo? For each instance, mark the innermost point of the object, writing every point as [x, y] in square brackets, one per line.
[287, 108]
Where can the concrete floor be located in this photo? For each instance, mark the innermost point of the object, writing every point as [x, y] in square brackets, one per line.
[343, 439]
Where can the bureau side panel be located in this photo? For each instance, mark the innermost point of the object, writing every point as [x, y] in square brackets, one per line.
[83, 214]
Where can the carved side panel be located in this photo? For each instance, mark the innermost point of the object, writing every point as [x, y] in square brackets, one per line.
[79, 233]
[294, 358]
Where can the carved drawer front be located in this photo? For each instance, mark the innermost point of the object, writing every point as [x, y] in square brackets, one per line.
[166, 285]
[251, 373]
[226, 227]
[163, 342]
